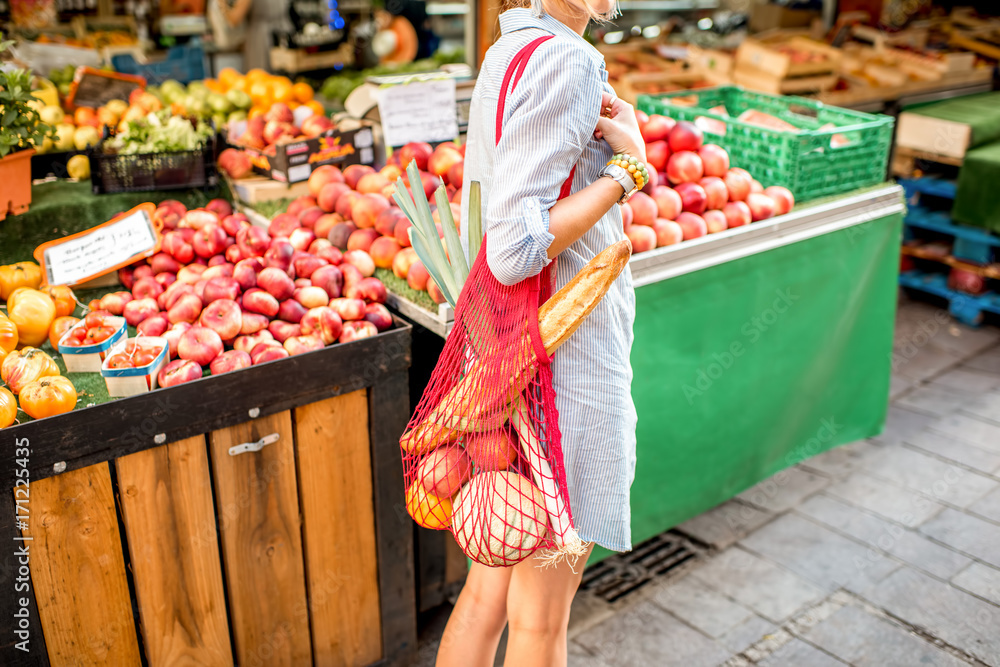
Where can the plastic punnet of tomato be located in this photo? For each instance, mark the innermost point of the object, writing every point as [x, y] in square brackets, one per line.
[131, 365]
[85, 345]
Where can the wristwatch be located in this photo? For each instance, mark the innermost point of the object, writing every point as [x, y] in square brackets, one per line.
[623, 178]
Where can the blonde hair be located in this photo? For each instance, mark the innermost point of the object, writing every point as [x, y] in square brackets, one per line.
[572, 7]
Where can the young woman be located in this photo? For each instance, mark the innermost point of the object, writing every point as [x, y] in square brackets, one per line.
[561, 119]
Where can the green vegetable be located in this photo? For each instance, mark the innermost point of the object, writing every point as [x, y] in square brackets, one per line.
[160, 132]
[339, 86]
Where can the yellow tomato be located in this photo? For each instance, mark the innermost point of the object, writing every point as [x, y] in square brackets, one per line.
[8, 408]
[303, 92]
[60, 325]
[8, 334]
[32, 312]
[48, 396]
[62, 296]
[26, 365]
[22, 274]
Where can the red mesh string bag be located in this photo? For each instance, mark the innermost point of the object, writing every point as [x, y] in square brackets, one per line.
[482, 454]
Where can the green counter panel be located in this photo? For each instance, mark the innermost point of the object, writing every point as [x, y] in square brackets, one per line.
[750, 366]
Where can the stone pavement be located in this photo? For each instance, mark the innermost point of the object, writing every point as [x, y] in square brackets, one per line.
[880, 553]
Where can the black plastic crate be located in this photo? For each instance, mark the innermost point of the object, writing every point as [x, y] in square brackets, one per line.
[51, 164]
[112, 172]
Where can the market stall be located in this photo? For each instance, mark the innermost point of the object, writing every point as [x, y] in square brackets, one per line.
[758, 349]
[193, 521]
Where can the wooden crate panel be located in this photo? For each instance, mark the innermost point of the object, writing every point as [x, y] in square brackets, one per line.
[166, 498]
[258, 518]
[334, 463]
[78, 570]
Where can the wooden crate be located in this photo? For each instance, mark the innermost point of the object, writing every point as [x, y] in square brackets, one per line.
[766, 57]
[633, 85]
[294, 61]
[151, 541]
[765, 82]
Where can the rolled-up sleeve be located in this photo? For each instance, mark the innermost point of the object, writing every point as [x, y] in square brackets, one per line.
[549, 118]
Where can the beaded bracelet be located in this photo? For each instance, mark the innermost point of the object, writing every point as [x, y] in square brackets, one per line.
[635, 168]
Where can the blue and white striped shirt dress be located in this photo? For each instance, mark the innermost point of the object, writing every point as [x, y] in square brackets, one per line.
[548, 126]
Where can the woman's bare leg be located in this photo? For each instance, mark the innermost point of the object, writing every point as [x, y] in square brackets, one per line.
[473, 632]
[538, 604]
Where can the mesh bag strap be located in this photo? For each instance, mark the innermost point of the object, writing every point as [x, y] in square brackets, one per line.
[515, 70]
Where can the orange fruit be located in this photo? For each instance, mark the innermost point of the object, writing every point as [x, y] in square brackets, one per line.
[316, 107]
[228, 76]
[303, 92]
[256, 111]
[84, 116]
[214, 86]
[261, 95]
[283, 93]
[257, 74]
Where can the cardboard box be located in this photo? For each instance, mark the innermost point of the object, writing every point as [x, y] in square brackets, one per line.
[294, 162]
[716, 66]
[88, 358]
[133, 381]
[255, 189]
[765, 16]
[932, 135]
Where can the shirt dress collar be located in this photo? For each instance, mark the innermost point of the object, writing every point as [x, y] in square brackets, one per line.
[520, 18]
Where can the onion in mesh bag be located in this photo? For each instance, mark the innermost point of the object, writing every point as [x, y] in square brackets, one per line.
[499, 518]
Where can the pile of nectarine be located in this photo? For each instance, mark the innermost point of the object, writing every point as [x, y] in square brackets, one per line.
[705, 194]
[226, 294]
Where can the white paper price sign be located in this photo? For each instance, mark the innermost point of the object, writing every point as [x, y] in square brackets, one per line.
[100, 250]
[418, 111]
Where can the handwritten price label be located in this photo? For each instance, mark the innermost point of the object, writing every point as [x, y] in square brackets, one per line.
[100, 250]
[418, 111]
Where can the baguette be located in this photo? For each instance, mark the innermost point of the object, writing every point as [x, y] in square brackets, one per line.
[466, 409]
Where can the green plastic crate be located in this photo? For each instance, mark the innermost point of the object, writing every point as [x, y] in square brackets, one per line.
[804, 161]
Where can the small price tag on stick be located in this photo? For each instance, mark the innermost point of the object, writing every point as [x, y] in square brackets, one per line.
[90, 254]
[418, 111]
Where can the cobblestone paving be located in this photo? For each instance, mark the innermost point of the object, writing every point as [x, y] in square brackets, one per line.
[879, 553]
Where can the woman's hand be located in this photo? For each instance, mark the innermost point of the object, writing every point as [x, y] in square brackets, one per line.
[618, 126]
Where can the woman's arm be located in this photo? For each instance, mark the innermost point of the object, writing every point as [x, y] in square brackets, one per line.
[570, 218]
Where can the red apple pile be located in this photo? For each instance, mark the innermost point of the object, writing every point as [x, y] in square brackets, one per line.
[226, 294]
[704, 196]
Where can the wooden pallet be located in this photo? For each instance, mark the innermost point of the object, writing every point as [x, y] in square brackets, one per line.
[862, 95]
[903, 163]
[991, 271]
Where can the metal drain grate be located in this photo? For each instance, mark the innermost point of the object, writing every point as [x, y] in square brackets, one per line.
[618, 576]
